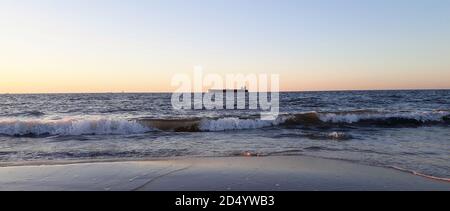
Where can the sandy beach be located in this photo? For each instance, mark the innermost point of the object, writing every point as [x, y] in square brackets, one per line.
[288, 173]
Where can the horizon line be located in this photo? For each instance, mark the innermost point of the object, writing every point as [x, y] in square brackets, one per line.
[168, 92]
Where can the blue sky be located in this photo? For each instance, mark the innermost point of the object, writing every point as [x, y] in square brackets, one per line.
[314, 45]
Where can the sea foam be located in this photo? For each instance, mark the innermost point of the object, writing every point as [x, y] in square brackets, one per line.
[349, 117]
[115, 126]
[92, 126]
[224, 124]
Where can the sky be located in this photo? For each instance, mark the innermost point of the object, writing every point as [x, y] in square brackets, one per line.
[60, 46]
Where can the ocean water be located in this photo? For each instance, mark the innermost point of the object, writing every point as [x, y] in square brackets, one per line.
[402, 129]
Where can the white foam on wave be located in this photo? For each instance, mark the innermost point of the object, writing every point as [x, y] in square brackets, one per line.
[435, 116]
[91, 126]
[114, 126]
[337, 135]
[224, 124]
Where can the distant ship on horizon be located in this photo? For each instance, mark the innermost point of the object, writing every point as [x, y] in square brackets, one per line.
[242, 89]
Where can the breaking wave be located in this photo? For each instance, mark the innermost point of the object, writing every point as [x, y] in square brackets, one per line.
[70, 127]
[105, 126]
[385, 118]
[358, 118]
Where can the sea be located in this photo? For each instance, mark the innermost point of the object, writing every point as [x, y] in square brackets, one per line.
[406, 130]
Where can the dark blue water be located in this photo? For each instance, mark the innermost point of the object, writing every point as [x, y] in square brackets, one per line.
[407, 129]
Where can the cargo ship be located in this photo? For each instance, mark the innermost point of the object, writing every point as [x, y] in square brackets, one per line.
[242, 89]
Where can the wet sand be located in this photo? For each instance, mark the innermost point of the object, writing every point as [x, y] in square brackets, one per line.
[290, 173]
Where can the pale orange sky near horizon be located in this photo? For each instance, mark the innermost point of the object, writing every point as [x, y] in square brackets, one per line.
[92, 46]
